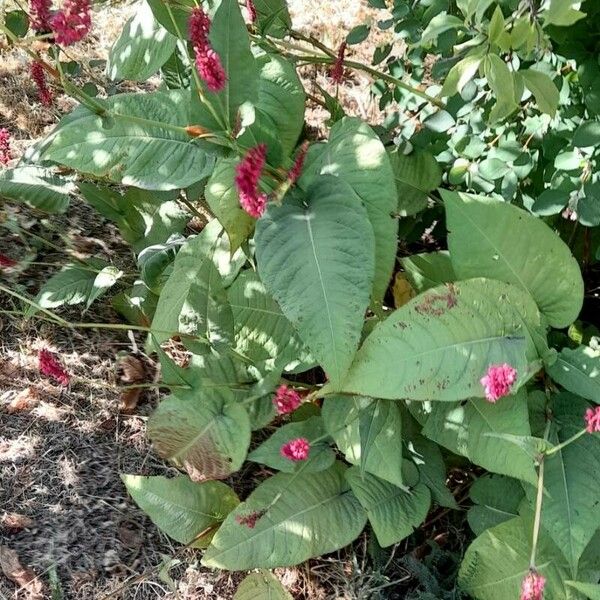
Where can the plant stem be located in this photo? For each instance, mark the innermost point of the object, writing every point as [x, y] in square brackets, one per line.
[55, 318]
[564, 444]
[538, 504]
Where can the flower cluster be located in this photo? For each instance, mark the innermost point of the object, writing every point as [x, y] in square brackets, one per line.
[39, 15]
[208, 62]
[251, 10]
[592, 419]
[498, 381]
[337, 70]
[39, 77]
[296, 450]
[72, 22]
[286, 399]
[296, 170]
[247, 175]
[5, 153]
[532, 587]
[50, 367]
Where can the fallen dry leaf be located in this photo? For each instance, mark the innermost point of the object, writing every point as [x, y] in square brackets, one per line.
[129, 400]
[23, 577]
[402, 290]
[131, 371]
[15, 521]
[25, 400]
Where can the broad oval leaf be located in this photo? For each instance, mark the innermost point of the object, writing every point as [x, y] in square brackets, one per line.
[205, 433]
[440, 344]
[578, 370]
[188, 512]
[490, 238]
[261, 586]
[428, 269]
[297, 517]
[315, 256]
[141, 142]
[591, 590]
[356, 155]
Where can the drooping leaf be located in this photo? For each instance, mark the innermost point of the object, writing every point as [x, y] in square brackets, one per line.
[441, 23]
[205, 433]
[461, 73]
[490, 238]
[138, 143]
[542, 87]
[393, 511]
[141, 49]
[369, 433]
[495, 499]
[261, 586]
[298, 517]
[355, 154]
[578, 370]
[464, 428]
[38, 187]
[428, 270]
[320, 457]
[440, 344]
[188, 512]
[315, 257]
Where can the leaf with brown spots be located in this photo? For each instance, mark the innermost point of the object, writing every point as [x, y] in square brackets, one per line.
[205, 433]
[26, 579]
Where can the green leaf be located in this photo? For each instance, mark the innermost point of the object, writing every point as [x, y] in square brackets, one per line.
[37, 187]
[416, 175]
[501, 82]
[464, 428]
[542, 87]
[562, 13]
[550, 202]
[440, 122]
[17, 22]
[588, 205]
[358, 34]
[440, 344]
[498, 560]
[587, 134]
[369, 433]
[315, 257]
[142, 48]
[186, 511]
[261, 586]
[393, 512]
[272, 17]
[461, 73]
[299, 517]
[578, 370]
[205, 433]
[496, 28]
[355, 154]
[491, 238]
[142, 143]
[441, 23]
[496, 499]
[173, 17]
[320, 457]
[591, 590]
[428, 270]
[103, 281]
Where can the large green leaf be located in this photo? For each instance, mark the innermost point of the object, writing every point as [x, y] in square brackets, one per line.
[591, 590]
[315, 257]
[142, 48]
[368, 432]
[393, 511]
[428, 269]
[320, 457]
[416, 175]
[440, 344]
[498, 560]
[272, 17]
[186, 511]
[173, 16]
[490, 238]
[141, 142]
[261, 586]
[207, 433]
[542, 87]
[578, 370]
[36, 186]
[464, 428]
[355, 154]
[299, 516]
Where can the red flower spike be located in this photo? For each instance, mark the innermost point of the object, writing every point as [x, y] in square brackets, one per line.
[72, 22]
[251, 10]
[532, 587]
[247, 175]
[592, 419]
[498, 381]
[208, 62]
[337, 69]
[5, 261]
[296, 170]
[296, 450]
[39, 15]
[39, 77]
[50, 367]
[286, 399]
[5, 153]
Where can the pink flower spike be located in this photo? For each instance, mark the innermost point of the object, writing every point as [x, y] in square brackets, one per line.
[498, 381]
[208, 62]
[5, 153]
[251, 10]
[39, 15]
[50, 367]
[592, 419]
[39, 77]
[286, 399]
[532, 587]
[247, 176]
[296, 450]
[72, 22]
[296, 170]
[337, 69]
